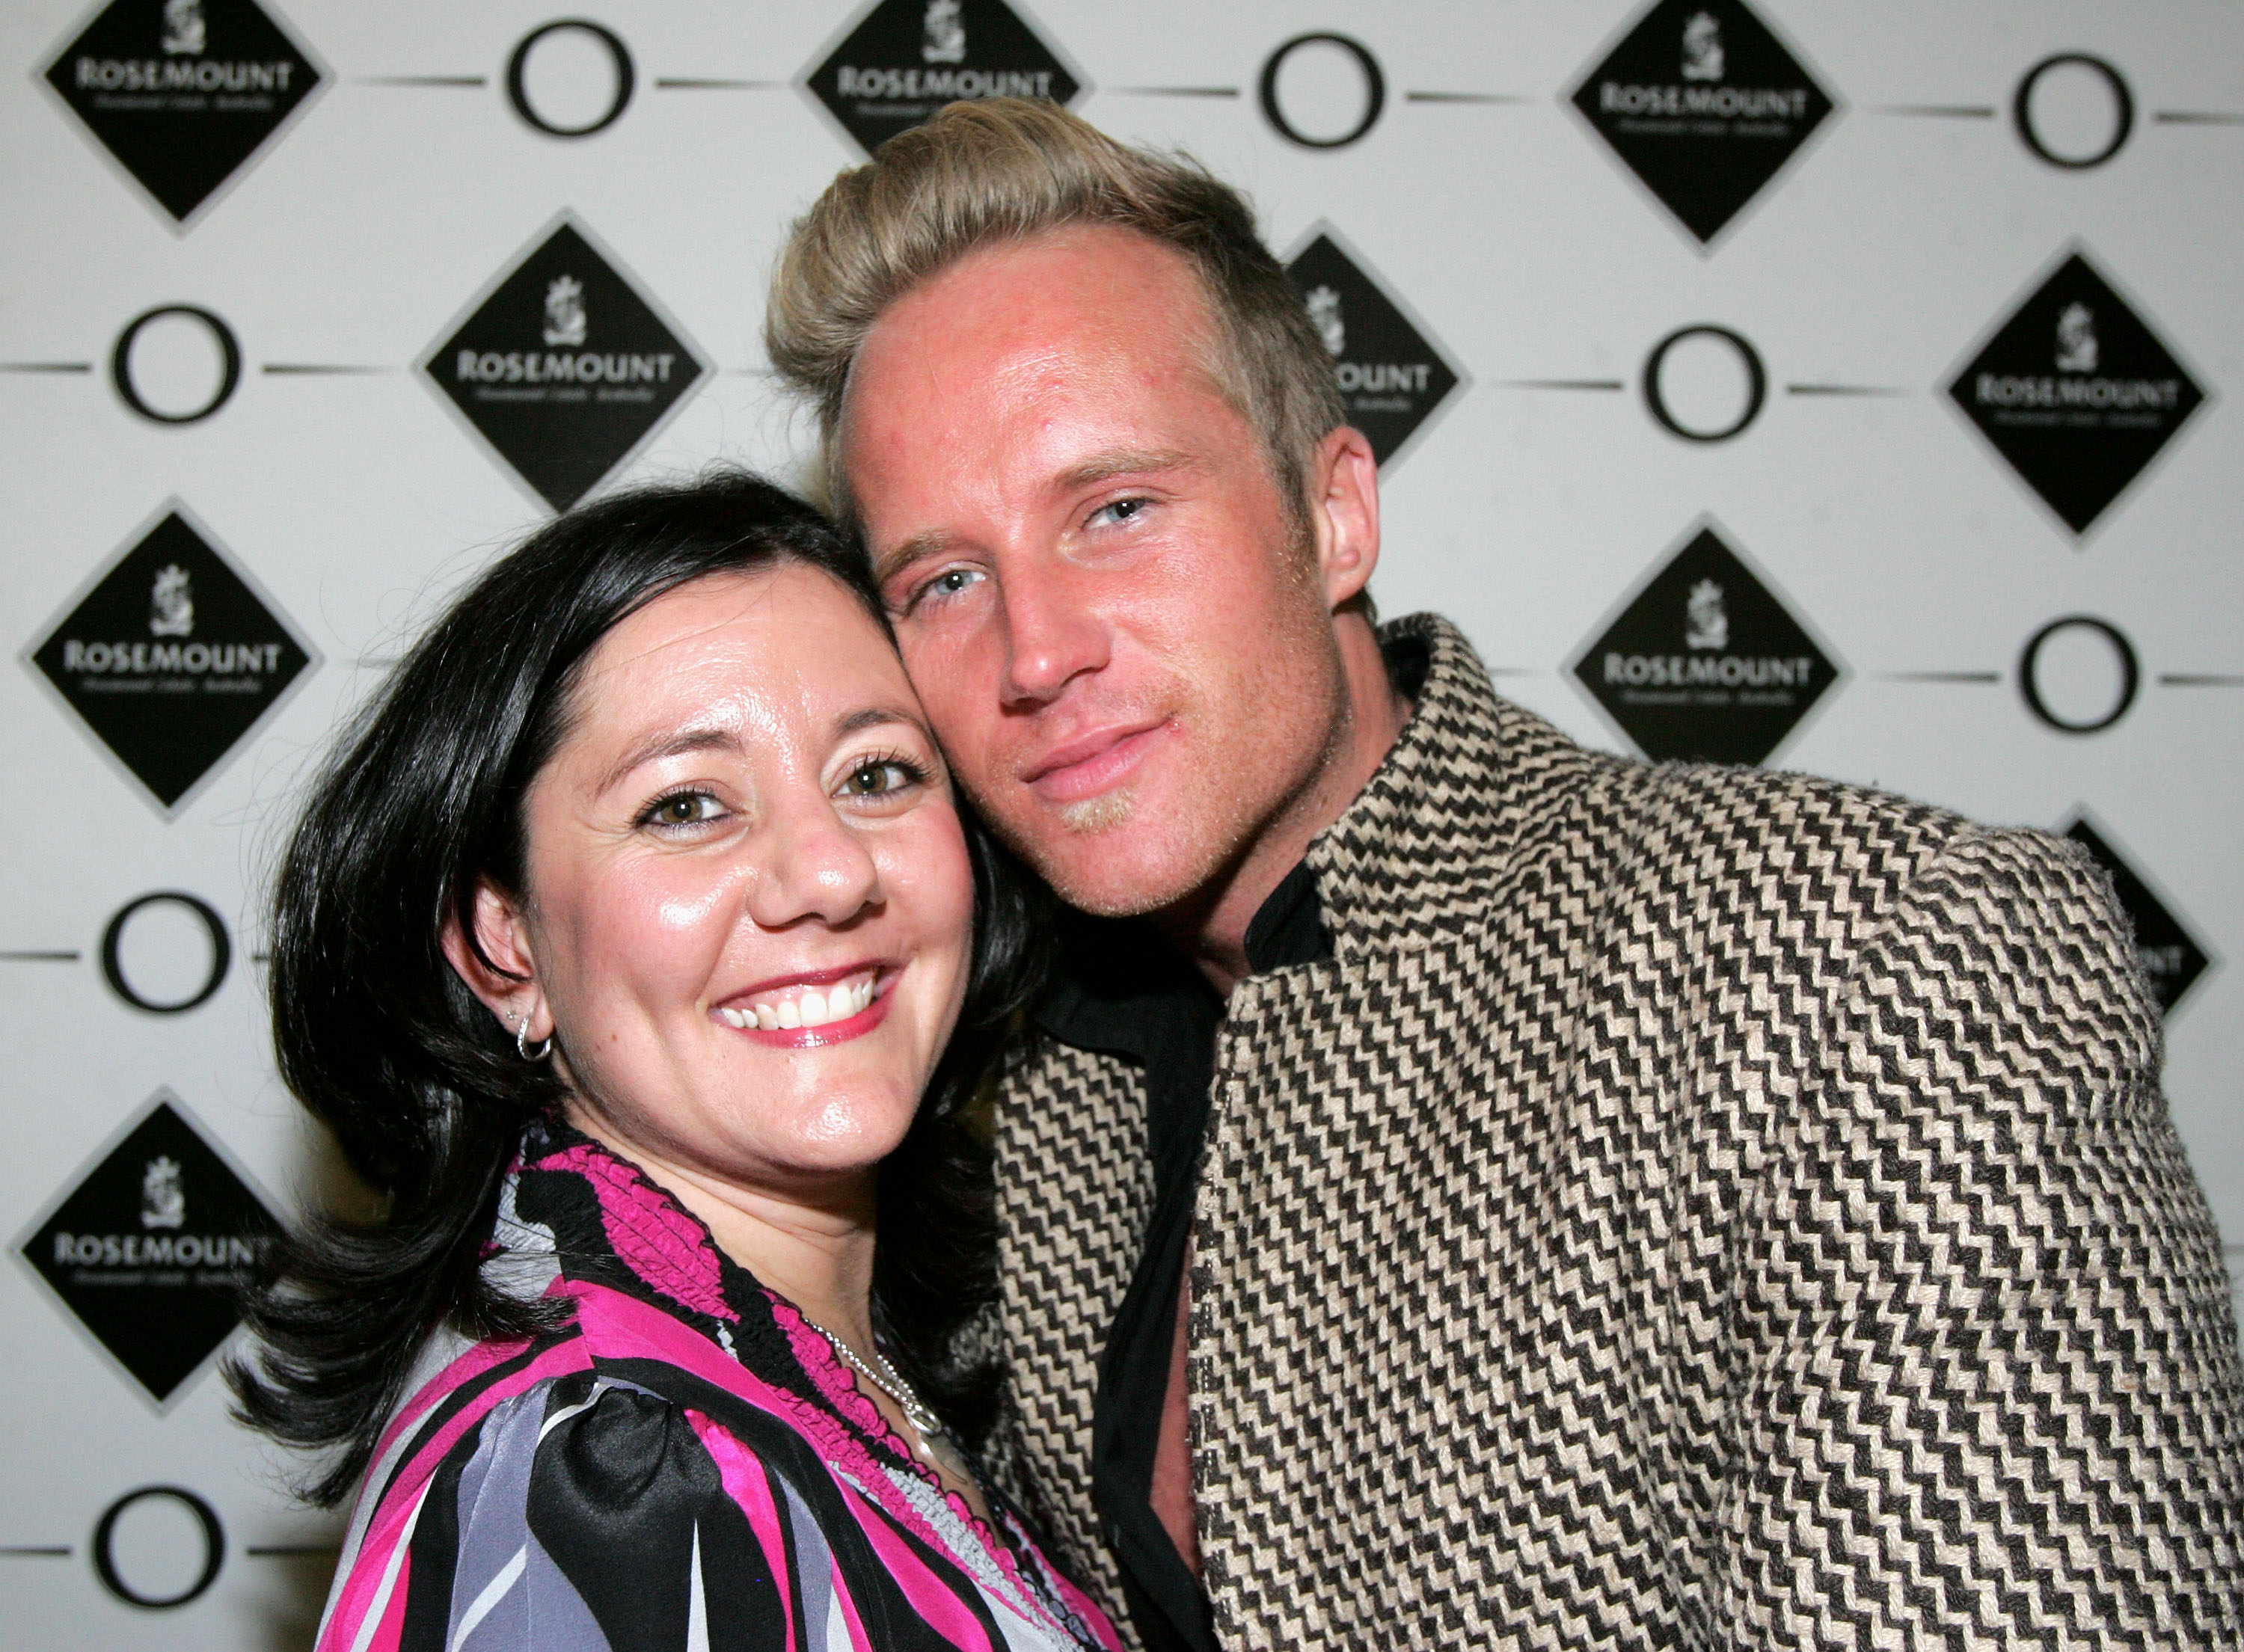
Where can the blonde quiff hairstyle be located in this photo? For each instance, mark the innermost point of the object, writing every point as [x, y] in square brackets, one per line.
[1004, 169]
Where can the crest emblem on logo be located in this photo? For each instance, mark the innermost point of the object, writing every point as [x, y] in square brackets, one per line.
[154, 1285]
[1706, 623]
[943, 37]
[566, 321]
[171, 656]
[2076, 392]
[184, 32]
[1707, 128]
[172, 603]
[1393, 374]
[1702, 47]
[1749, 671]
[896, 62]
[2076, 339]
[1324, 311]
[183, 94]
[163, 1200]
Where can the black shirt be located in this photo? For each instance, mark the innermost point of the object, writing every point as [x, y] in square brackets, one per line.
[1123, 990]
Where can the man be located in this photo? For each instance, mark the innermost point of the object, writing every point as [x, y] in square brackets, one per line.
[1465, 1189]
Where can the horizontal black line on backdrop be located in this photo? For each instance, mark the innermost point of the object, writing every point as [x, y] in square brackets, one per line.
[1178, 91]
[60, 1551]
[1940, 111]
[424, 80]
[41, 957]
[1843, 389]
[1467, 98]
[2198, 679]
[1939, 677]
[2196, 117]
[46, 367]
[687, 82]
[1561, 384]
[303, 368]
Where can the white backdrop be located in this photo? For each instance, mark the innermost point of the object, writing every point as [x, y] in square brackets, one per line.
[349, 494]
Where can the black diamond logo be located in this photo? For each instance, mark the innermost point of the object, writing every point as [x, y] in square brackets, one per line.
[1392, 376]
[1706, 105]
[184, 93]
[2076, 392]
[1705, 661]
[150, 1245]
[2171, 958]
[171, 656]
[899, 61]
[564, 367]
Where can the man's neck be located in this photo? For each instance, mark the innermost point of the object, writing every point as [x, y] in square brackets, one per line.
[1211, 924]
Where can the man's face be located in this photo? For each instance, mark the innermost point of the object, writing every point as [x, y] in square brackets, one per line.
[1119, 636]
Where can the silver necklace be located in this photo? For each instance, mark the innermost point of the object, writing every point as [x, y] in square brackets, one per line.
[924, 1423]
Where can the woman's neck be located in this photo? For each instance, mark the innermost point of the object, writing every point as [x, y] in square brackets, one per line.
[814, 1245]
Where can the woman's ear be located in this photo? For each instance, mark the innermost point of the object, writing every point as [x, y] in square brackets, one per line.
[498, 967]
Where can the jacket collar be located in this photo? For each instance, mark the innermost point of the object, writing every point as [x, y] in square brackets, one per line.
[1420, 852]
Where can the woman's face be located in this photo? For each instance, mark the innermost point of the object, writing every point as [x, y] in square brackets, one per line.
[748, 905]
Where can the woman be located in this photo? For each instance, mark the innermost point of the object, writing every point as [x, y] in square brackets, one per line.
[618, 949]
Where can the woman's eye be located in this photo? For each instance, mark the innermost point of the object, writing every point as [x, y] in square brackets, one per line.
[881, 779]
[685, 808]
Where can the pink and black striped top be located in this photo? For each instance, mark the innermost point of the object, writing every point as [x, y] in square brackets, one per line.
[687, 1465]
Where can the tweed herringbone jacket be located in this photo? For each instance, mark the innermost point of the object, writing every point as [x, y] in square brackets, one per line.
[1694, 1207]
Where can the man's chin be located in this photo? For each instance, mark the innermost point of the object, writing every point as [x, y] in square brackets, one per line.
[1107, 857]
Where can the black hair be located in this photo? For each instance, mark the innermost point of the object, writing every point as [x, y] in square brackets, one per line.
[424, 1091]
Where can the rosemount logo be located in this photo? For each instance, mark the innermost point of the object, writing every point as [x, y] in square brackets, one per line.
[148, 1245]
[1706, 105]
[1393, 376]
[2172, 959]
[170, 657]
[897, 62]
[1703, 660]
[2076, 392]
[564, 367]
[183, 94]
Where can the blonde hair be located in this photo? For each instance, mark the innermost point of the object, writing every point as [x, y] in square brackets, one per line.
[1004, 169]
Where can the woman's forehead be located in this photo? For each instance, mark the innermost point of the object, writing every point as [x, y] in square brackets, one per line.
[738, 650]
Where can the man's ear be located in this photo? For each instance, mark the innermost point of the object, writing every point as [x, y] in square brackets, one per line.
[499, 967]
[1344, 489]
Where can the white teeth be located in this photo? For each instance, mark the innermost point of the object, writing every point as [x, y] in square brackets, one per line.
[812, 1008]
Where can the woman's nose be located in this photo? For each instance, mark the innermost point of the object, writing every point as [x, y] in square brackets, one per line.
[811, 865]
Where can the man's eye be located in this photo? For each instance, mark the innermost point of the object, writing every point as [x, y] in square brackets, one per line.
[1123, 510]
[950, 582]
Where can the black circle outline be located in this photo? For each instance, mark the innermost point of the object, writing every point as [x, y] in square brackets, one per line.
[626, 76]
[120, 374]
[1377, 80]
[104, 1563]
[2024, 98]
[2029, 665]
[1757, 374]
[112, 969]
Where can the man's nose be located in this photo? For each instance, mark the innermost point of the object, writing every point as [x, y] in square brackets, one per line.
[811, 866]
[1052, 634]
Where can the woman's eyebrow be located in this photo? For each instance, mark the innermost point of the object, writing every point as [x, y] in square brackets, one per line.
[678, 743]
[874, 717]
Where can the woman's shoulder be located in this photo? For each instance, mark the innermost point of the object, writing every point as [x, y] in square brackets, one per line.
[579, 1501]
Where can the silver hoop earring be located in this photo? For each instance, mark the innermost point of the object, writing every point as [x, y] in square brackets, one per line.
[522, 1041]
